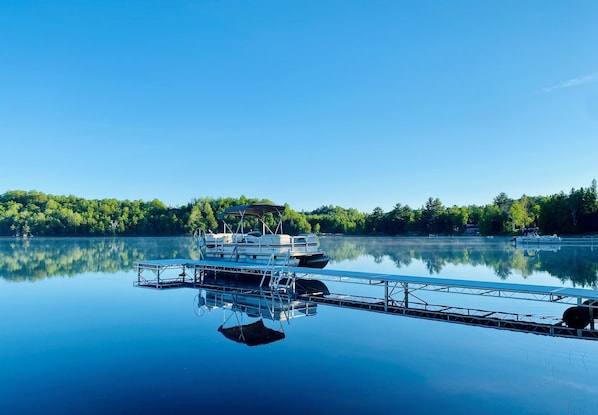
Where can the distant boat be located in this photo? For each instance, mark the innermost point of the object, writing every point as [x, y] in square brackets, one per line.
[264, 246]
[531, 236]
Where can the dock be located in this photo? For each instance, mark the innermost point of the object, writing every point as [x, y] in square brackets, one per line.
[584, 241]
[387, 293]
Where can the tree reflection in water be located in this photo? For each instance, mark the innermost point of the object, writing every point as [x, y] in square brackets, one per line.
[38, 258]
[575, 264]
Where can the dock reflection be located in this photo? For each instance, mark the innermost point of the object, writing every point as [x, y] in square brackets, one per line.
[249, 302]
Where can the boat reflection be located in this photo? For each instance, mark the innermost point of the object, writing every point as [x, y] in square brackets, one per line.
[252, 315]
[252, 334]
[532, 251]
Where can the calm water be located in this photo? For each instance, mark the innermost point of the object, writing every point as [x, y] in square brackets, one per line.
[78, 337]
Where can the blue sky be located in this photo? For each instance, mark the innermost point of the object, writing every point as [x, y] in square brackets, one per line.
[359, 104]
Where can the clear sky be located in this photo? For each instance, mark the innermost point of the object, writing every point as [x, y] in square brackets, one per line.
[359, 104]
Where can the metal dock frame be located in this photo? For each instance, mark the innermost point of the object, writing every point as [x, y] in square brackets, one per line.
[398, 295]
[274, 277]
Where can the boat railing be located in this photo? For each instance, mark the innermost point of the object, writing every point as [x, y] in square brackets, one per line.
[267, 304]
[232, 244]
[305, 243]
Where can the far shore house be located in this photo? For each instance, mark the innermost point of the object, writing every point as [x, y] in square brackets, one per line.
[471, 229]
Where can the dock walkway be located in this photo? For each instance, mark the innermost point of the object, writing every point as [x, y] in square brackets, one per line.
[399, 294]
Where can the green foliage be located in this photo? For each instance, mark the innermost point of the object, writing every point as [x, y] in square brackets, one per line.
[33, 213]
[48, 215]
[575, 213]
[431, 221]
[335, 219]
[295, 223]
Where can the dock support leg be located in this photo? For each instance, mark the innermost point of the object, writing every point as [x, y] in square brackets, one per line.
[386, 299]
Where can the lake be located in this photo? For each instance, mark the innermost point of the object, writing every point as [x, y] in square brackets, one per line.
[78, 337]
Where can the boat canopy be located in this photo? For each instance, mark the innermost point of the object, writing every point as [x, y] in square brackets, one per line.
[253, 334]
[253, 209]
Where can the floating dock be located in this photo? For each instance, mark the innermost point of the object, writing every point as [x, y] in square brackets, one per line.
[389, 294]
[586, 241]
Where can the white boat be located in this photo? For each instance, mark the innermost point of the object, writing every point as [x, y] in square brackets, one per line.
[531, 236]
[264, 246]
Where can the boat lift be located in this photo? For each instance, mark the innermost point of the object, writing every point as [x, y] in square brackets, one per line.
[397, 294]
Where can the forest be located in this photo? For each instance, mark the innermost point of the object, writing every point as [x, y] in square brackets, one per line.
[32, 213]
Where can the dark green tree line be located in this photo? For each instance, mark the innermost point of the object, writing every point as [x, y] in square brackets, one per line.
[34, 213]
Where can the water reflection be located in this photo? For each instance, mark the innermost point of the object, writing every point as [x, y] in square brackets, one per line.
[254, 310]
[37, 258]
[575, 264]
[252, 316]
